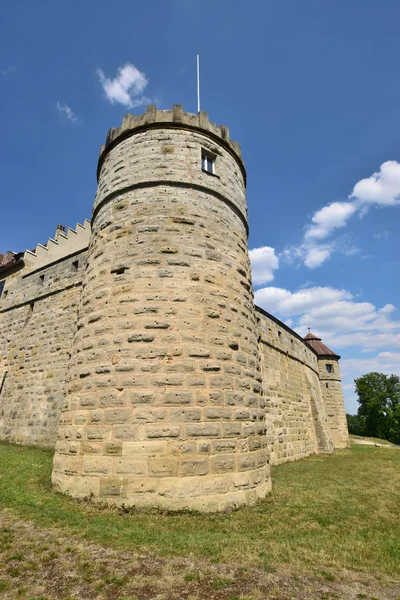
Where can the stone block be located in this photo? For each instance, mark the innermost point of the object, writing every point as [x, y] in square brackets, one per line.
[142, 398]
[117, 415]
[111, 486]
[144, 448]
[218, 414]
[194, 466]
[163, 467]
[163, 431]
[224, 463]
[126, 432]
[203, 430]
[131, 466]
[97, 465]
[113, 449]
[177, 398]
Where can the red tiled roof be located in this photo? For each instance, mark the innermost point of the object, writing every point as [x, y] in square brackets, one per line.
[9, 260]
[316, 344]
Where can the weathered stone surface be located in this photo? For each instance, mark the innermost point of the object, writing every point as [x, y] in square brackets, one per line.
[177, 332]
[297, 423]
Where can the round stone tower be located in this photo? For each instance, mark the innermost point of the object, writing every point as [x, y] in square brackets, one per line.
[164, 404]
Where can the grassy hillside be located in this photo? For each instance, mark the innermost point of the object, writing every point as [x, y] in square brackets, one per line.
[326, 512]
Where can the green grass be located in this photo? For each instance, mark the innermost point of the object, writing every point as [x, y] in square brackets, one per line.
[326, 512]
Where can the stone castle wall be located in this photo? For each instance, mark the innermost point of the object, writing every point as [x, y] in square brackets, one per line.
[297, 424]
[144, 354]
[37, 324]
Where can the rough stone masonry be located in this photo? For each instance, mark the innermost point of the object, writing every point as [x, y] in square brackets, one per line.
[132, 344]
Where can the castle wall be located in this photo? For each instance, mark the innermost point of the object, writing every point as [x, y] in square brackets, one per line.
[296, 419]
[165, 400]
[37, 325]
[143, 354]
[331, 391]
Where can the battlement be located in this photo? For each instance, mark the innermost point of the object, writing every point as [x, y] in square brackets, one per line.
[175, 118]
[64, 243]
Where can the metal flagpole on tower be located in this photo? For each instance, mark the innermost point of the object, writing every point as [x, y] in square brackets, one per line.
[198, 83]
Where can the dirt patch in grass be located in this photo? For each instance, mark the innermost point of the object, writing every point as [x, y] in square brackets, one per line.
[42, 564]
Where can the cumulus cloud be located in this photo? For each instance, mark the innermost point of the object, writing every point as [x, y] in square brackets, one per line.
[335, 315]
[383, 362]
[381, 188]
[328, 219]
[127, 87]
[316, 256]
[291, 304]
[68, 113]
[263, 264]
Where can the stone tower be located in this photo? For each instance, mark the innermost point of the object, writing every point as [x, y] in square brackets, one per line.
[331, 390]
[164, 404]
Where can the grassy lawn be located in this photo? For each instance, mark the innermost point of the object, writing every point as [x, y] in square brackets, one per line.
[325, 513]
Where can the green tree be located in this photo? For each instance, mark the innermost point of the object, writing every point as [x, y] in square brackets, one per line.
[356, 424]
[379, 399]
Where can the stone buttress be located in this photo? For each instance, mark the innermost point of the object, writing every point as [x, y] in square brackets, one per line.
[164, 404]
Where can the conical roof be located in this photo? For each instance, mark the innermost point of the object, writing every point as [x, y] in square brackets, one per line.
[319, 347]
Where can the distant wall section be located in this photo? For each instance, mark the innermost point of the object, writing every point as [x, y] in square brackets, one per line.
[38, 313]
[297, 424]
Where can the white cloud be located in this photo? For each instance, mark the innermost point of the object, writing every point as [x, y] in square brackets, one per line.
[381, 188]
[287, 304]
[263, 264]
[68, 113]
[316, 256]
[384, 362]
[127, 87]
[335, 316]
[328, 218]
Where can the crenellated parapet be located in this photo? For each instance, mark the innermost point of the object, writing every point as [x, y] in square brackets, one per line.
[174, 118]
[65, 242]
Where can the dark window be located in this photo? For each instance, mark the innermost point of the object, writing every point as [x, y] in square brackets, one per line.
[2, 283]
[75, 265]
[329, 368]
[41, 279]
[207, 162]
[327, 384]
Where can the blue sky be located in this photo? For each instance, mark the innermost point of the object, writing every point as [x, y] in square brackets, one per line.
[310, 90]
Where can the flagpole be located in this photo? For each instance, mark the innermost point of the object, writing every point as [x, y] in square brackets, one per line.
[198, 83]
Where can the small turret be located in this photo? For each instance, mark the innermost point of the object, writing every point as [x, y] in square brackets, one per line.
[331, 389]
[319, 347]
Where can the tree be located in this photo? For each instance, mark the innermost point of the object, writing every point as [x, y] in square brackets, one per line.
[356, 424]
[379, 399]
